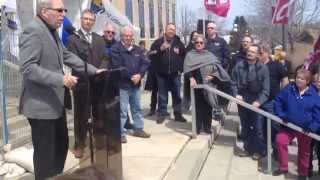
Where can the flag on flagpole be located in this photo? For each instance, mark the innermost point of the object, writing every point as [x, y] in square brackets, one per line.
[11, 5]
[280, 12]
[11, 20]
[218, 7]
[106, 12]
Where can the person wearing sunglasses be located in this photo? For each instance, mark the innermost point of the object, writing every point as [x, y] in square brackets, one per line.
[186, 100]
[202, 67]
[45, 86]
[109, 33]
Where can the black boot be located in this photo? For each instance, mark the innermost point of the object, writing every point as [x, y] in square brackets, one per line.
[151, 112]
[160, 119]
[178, 117]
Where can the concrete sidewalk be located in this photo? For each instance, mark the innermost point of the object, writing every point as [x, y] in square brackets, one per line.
[154, 158]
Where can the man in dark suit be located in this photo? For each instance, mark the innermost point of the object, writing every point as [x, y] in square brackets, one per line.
[89, 46]
[43, 95]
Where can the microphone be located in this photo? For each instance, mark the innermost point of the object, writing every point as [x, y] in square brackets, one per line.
[72, 31]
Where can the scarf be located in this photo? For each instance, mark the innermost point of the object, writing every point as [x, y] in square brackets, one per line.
[205, 61]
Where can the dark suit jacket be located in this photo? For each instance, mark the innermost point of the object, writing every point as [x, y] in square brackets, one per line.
[93, 53]
[42, 60]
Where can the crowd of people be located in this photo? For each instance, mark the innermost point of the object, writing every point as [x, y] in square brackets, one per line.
[252, 75]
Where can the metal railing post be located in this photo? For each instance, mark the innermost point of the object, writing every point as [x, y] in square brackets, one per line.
[193, 111]
[269, 146]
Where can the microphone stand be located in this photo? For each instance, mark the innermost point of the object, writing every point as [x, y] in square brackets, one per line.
[89, 109]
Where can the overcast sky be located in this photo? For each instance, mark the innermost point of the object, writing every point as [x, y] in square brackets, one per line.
[238, 7]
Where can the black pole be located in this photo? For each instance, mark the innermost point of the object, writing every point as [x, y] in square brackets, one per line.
[90, 119]
[88, 98]
[284, 37]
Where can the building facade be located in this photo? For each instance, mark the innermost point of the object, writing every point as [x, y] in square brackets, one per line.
[151, 16]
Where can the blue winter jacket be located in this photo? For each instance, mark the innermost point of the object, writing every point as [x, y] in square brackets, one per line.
[301, 110]
[132, 61]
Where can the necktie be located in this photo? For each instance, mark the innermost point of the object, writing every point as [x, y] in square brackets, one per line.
[88, 37]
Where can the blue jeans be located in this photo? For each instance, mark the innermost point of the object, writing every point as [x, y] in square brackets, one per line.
[166, 83]
[252, 131]
[130, 97]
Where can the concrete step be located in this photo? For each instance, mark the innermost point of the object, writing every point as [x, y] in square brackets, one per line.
[222, 162]
[189, 162]
[219, 159]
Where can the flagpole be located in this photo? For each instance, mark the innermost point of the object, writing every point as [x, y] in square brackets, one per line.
[284, 37]
[204, 20]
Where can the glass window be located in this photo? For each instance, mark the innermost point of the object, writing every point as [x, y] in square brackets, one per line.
[167, 12]
[160, 15]
[151, 17]
[174, 13]
[141, 18]
[129, 12]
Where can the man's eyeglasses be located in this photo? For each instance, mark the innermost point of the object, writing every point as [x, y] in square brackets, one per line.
[198, 42]
[110, 32]
[59, 10]
[210, 28]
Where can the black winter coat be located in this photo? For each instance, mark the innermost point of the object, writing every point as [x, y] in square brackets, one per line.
[167, 61]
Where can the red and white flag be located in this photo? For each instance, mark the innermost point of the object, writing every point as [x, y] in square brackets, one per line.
[219, 7]
[280, 12]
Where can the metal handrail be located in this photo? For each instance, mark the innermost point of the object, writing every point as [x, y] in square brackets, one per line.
[270, 117]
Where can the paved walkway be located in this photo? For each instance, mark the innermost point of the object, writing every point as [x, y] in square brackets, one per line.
[146, 159]
[171, 154]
